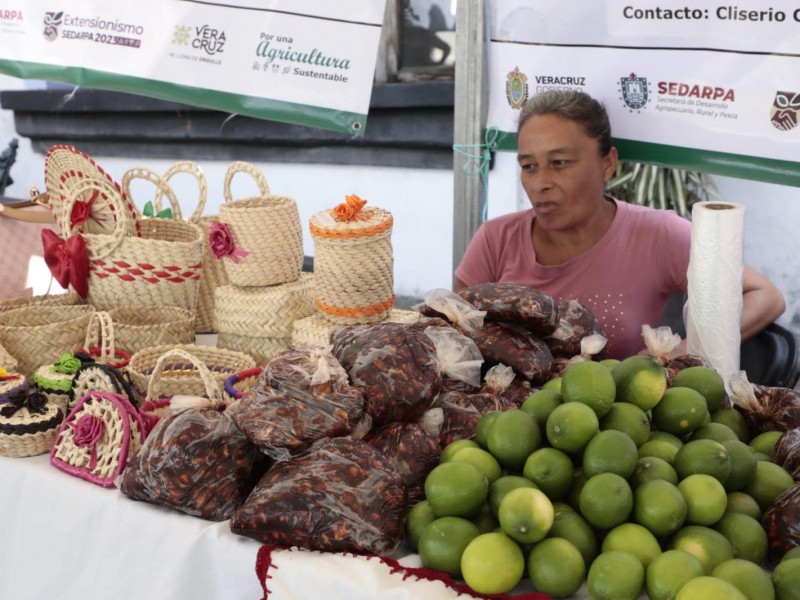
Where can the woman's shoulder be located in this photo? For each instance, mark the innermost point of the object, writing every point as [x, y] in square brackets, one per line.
[644, 217]
[511, 222]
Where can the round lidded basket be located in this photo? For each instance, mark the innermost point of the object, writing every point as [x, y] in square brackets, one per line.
[353, 265]
[263, 241]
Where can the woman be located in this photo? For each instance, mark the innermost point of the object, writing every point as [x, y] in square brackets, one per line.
[620, 260]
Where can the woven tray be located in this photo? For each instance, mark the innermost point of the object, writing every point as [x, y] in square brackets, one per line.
[37, 335]
[177, 376]
[262, 349]
[266, 227]
[316, 329]
[353, 265]
[138, 327]
[264, 311]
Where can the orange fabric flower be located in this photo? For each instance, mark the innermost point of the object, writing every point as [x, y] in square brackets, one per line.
[347, 211]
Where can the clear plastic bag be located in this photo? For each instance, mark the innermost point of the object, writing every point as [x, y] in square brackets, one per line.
[458, 356]
[394, 365]
[195, 461]
[765, 408]
[301, 396]
[591, 346]
[462, 412]
[453, 308]
[532, 309]
[501, 381]
[782, 524]
[413, 449]
[341, 495]
[508, 344]
[787, 452]
[575, 322]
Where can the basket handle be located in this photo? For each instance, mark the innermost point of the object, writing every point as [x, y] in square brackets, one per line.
[212, 387]
[156, 179]
[103, 244]
[244, 167]
[100, 332]
[193, 169]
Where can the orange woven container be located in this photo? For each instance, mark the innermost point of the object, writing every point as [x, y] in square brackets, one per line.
[353, 264]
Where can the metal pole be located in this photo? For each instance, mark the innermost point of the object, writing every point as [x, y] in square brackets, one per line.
[471, 105]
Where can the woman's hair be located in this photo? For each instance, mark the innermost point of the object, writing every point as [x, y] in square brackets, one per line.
[575, 106]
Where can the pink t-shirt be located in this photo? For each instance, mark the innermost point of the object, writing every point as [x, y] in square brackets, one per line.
[624, 279]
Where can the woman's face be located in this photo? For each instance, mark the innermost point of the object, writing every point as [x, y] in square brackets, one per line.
[563, 173]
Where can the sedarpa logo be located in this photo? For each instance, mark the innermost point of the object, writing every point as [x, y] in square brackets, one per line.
[269, 50]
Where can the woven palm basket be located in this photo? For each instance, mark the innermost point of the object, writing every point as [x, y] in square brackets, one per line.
[28, 432]
[266, 227]
[316, 329]
[262, 349]
[264, 311]
[179, 376]
[213, 273]
[37, 335]
[7, 362]
[137, 327]
[353, 266]
[67, 299]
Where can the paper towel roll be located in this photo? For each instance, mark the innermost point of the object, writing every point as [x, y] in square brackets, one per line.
[714, 304]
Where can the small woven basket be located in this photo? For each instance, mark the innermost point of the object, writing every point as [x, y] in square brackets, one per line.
[7, 362]
[88, 210]
[27, 432]
[162, 267]
[100, 343]
[264, 311]
[238, 383]
[316, 329]
[213, 274]
[37, 335]
[68, 299]
[137, 327]
[353, 266]
[177, 376]
[266, 227]
[262, 349]
[97, 438]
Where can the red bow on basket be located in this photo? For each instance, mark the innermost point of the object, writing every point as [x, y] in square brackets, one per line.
[67, 260]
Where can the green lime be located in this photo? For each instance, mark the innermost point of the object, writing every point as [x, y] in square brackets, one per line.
[680, 412]
[703, 456]
[610, 451]
[606, 500]
[748, 539]
[551, 470]
[734, 419]
[706, 381]
[443, 542]
[556, 567]
[669, 572]
[739, 502]
[766, 442]
[571, 526]
[633, 538]
[492, 563]
[571, 425]
[526, 515]
[485, 519]
[708, 545]
[714, 431]
[553, 384]
[456, 489]
[512, 437]
[786, 579]
[484, 425]
[453, 447]
[419, 517]
[769, 481]
[706, 588]
[481, 460]
[590, 383]
[705, 497]
[743, 465]
[629, 419]
[793, 553]
[615, 575]
[658, 449]
[750, 579]
[540, 404]
[500, 487]
[640, 380]
[659, 506]
[649, 468]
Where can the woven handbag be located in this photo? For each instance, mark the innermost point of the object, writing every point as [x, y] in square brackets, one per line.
[259, 238]
[353, 262]
[214, 273]
[179, 376]
[37, 335]
[99, 342]
[89, 210]
[156, 404]
[162, 267]
[137, 327]
[97, 438]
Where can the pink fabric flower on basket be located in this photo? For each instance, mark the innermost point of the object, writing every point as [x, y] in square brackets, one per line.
[86, 432]
[221, 242]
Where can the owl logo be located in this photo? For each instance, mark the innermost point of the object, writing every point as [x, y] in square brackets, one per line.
[784, 111]
[51, 22]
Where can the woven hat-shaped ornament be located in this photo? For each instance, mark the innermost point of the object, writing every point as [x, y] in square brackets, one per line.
[95, 209]
[28, 424]
[353, 262]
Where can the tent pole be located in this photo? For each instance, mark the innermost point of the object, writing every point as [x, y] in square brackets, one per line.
[470, 111]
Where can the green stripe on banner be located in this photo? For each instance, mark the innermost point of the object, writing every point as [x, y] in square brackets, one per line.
[783, 172]
[251, 106]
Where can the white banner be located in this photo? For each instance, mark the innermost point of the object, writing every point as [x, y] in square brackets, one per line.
[309, 62]
[713, 87]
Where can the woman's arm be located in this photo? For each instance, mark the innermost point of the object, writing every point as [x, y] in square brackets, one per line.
[762, 303]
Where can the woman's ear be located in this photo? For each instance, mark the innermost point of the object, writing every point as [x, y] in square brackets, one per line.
[610, 161]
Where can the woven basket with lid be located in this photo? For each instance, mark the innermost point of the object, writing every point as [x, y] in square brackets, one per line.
[353, 265]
